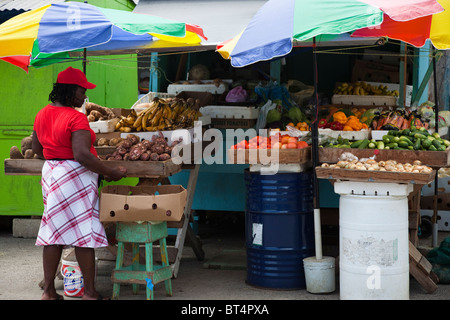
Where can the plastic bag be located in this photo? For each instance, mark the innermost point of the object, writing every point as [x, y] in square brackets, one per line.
[237, 94]
[262, 115]
[276, 93]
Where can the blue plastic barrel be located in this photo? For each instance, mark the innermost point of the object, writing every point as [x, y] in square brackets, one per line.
[279, 224]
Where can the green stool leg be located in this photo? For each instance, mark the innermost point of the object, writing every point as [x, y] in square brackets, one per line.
[135, 265]
[119, 263]
[149, 266]
[165, 263]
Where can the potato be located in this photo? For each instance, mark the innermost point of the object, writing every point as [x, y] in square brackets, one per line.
[29, 154]
[145, 156]
[14, 153]
[102, 142]
[113, 141]
[154, 156]
[26, 144]
[164, 157]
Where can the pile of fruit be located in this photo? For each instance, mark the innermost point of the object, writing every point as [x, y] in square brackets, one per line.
[364, 89]
[293, 117]
[302, 126]
[407, 139]
[160, 114]
[276, 141]
[398, 120]
[341, 122]
[133, 149]
[25, 151]
[95, 112]
[372, 165]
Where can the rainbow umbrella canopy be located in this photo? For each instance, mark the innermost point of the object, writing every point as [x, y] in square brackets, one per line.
[416, 30]
[279, 24]
[48, 34]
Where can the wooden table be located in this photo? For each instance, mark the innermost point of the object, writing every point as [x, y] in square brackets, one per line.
[148, 172]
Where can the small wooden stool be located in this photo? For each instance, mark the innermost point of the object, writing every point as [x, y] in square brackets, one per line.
[135, 274]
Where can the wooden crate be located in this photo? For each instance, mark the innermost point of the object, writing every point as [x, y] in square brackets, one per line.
[257, 156]
[429, 158]
[224, 123]
[374, 176]
[355, 100]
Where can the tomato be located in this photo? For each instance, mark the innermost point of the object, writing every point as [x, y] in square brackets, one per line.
[292, 140]
[276, 145]
[285, 139]
[301, 144]
[292, 145]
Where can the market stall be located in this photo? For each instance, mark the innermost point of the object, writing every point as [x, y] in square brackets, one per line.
[312, 22]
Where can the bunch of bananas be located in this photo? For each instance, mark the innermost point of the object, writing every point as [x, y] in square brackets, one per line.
[364, 89]
[161, 114]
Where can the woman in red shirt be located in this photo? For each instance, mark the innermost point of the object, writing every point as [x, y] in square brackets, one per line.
[63, 137]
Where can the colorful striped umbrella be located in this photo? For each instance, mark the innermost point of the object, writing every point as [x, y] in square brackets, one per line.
[46, 35]
[279, 23]
[416, 31]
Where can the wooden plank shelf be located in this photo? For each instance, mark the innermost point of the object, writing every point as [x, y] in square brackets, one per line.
[263, 156]
[141, 169]
[374, 176]
[428, 158]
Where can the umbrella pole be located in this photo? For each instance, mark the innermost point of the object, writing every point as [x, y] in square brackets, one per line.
[315, 160]
[84, 60]
[434, 226]
[319, 270]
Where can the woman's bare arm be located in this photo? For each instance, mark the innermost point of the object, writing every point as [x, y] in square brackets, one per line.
[81, 144]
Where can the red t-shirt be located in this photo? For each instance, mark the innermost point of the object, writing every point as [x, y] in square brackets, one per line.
[54, 127]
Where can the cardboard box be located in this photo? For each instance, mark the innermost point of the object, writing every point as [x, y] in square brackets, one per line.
[230, 112]
[375, 72]
[205, 98]
[142, 203]
[120, 112]
[443, 218]
[205, 86]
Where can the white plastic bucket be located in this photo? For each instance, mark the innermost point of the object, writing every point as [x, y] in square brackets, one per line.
[73, 279]
[373, 245]
[319, 274]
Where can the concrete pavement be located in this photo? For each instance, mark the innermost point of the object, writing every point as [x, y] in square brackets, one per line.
[21, 271]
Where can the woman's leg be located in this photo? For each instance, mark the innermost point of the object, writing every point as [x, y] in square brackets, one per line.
[50, 256]
[86, 261]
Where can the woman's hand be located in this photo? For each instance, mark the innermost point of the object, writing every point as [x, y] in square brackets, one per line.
[120, 173]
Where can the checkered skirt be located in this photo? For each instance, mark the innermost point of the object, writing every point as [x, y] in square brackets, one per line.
[71, 206]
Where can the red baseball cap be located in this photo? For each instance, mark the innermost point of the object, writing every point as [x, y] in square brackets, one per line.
[74, 76]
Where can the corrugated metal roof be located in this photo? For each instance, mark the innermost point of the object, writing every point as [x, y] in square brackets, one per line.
[25, 5]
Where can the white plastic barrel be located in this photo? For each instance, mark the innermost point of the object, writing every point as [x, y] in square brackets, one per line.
[373, 241]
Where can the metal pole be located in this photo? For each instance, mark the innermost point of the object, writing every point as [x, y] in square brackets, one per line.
[84, 60]
[436, 112]
[314, 128]
[315, 160]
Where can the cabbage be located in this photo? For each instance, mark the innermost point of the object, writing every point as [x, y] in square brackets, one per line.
[273, 115]
[296, 114]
